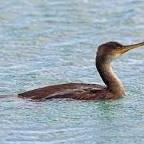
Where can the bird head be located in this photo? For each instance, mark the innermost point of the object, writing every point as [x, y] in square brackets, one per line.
[111, 50]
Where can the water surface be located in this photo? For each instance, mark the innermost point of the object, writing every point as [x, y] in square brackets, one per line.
[45, 42]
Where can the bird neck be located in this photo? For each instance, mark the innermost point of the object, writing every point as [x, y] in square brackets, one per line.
[113, 83]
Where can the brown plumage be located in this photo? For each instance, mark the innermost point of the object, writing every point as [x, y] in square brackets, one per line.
[80, 91]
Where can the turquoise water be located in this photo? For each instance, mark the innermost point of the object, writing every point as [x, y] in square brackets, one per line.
[45, 42]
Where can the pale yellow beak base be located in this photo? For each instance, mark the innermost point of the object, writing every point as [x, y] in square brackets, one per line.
[134, 46]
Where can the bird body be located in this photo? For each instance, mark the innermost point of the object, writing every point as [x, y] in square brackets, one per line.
[79, 91]
[113, 88]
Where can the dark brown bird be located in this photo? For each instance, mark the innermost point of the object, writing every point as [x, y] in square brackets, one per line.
[114, 88]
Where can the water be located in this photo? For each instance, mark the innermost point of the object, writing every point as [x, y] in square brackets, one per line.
[45, 42]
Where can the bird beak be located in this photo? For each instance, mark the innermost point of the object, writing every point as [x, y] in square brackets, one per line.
[133, 46]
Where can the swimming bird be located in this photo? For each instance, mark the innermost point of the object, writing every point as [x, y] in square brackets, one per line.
[112, 89]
